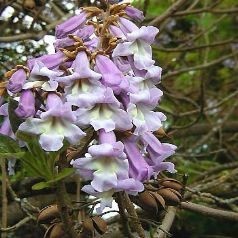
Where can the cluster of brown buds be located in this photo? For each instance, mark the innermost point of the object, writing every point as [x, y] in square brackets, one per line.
[157, 195]
[51, 215]
[93, 225]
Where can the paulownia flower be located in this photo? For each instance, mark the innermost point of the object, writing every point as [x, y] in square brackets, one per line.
[107, 168]
[26, 107]
[71, 25]
[17, 81]
[105, 114]
[158, 152]
[111, 76]
[82, 86]
[138, 44]
[54, 125]
[144, 118]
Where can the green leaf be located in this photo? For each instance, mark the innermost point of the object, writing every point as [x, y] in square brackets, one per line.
[40, 185]
[63, 174]
[9, 148]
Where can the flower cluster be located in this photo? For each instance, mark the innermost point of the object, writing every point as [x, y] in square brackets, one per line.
[101, 76]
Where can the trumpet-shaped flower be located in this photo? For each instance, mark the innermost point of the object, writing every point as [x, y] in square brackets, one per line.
[26, 107]
[70, 25]
[138, 44]
[111, 76]
[54, 125]
[158, 152]
[144, 118]
[139, 169]
[42, 77]
[105, 114]
[17, 81]
[106, 165]
[82, 86]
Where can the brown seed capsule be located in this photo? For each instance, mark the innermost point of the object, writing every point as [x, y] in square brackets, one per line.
[47, 214]
[171, 183]
[147, 201]
[29, 4]
[57, 231]
[47, 233]
[160, 200]
[99, 224]
[88, 225]
[171, 196]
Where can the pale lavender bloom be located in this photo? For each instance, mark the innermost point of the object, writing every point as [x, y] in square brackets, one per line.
[51, 61]
[42, 77]
[71, 25]
[139, 169]
[106, 165]
[105, 114]
[127, 26]
[111, 76]
[54, 125]
[152, 73]
[26, 107]
[158, 152]
[82, 86]
[143, 90]
[116, 32]
[134, 13]
[144, 118]
[138, 45]
[122, 64]
[83, 33]
[17, 81]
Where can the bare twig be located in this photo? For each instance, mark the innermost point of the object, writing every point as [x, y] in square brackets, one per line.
[167, 222]
[211, 212]
[170, 11]
[4, 196]
[17, 225]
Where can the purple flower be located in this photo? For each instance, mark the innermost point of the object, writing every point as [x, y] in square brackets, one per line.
[111, 76]
[82, 86]
[134, 13]
[26, 107]
[51, 61]
[144, 118]
[158, 152]
[143, 91]
[54, 125]
[71, 25]
[17, 81]
[83, 33]
[137, 45]
[106, 165]
[138, 167]
[105, 114]
[42, 77]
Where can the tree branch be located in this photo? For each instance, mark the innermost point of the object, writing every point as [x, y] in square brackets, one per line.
[208, 211]
[169, 12]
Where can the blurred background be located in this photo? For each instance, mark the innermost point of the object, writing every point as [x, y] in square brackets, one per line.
[197, 47]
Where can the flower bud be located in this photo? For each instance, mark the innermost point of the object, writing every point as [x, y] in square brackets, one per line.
[26, 107]
[70, 25]
[17, 81]
[134, 13]
[171, 196]
[47, 214]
